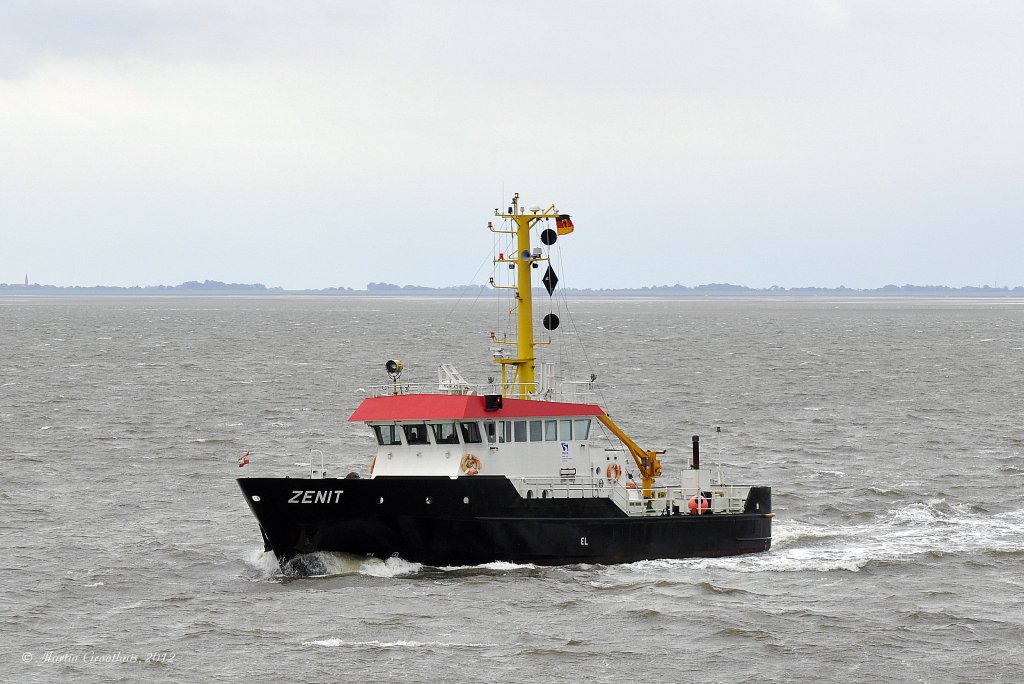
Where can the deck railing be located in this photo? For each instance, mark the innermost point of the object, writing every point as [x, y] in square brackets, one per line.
[724, 498]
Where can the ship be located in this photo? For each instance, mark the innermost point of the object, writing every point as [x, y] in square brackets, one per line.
[524, 470]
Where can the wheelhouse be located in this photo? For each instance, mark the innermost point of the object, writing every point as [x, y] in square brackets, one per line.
[460, 436]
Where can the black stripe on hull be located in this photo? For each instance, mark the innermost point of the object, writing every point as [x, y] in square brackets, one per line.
[469, 521]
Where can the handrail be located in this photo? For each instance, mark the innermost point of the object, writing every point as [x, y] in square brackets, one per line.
[565, 388]
[725, 498]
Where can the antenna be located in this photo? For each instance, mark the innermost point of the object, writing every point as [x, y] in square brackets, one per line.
[718, 443]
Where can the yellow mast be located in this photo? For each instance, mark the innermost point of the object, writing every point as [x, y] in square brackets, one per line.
[523, 383]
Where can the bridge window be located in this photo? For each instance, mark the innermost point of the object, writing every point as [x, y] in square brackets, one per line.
[520, 430]
[471, 433]
[491, 431]
[505, 435]
[444, 433]
[565, 430]
[387, 434]
[536, 430]
[581, 427]
[416, 433]
[550, 430]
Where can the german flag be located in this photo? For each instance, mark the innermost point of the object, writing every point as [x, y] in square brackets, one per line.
[564, 224]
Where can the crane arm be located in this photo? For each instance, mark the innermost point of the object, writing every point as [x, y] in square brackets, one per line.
[647, 461]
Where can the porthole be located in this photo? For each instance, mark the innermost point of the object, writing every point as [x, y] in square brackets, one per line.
[256, 497]
[428, 500]
[597, 471]
[465, 499]
[380, 500]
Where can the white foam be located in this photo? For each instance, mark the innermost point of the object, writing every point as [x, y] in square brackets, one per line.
[785, 533]
[341, 643]
[896, 535]
[501, 566]
[392, 567]
[265, 565]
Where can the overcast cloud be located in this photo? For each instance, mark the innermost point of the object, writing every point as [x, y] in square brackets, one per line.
[316, 144]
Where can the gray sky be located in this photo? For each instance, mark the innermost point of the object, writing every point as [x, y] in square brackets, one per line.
[316, 144]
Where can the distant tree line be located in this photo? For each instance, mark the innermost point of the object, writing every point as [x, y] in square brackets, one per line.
[189, 286]
[378, 289]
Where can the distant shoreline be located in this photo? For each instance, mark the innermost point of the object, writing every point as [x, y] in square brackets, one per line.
[386, 290]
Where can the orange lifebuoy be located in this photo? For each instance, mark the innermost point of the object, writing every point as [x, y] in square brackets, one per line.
[470, 464]
[698, 505]
[614, 471]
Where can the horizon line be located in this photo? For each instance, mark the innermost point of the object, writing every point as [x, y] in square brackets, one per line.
[213, 286]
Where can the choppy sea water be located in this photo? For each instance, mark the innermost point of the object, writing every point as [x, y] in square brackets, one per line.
[891, 432]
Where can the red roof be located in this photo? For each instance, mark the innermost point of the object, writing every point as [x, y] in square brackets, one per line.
[456, 407]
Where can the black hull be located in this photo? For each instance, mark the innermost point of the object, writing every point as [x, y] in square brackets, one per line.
[470, 521]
